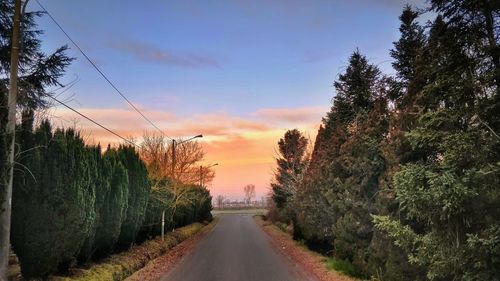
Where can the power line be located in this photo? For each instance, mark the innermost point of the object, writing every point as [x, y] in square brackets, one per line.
[91, 120]
[100, 72]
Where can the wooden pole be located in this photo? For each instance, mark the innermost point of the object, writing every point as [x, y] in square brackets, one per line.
[6, 209]
[163, 226]
[173, 159]
[201, 176]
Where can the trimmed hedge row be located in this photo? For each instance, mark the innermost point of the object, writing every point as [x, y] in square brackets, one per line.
[73, 204]
[120, 266]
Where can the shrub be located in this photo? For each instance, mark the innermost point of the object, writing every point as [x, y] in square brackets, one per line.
[120, 266]
[112, 212]
[53, 202]
[138, 194]
[343, 266]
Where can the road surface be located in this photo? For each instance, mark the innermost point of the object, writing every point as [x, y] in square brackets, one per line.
[235, 250]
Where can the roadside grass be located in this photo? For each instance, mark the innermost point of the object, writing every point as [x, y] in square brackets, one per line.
[157, 267]
[333, 265]
[343, 266]
[124, 264]
[120, 266]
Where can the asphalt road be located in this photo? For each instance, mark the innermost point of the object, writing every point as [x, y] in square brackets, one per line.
[235, 250]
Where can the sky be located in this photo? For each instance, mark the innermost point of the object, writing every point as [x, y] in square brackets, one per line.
[240, 72]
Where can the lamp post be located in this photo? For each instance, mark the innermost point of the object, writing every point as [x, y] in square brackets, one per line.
[174, 143]
[201, 172]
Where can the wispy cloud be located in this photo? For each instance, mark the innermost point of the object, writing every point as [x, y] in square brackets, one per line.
[316, 56]
[155, 54]
[395, 4]
[292, 115]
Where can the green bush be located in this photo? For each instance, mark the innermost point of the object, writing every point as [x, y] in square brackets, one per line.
[343, 266]
[159, 201]
[72, 203]
[120, 266]
[99, 182]
[138, 195]
[113, 209]
[53, 200]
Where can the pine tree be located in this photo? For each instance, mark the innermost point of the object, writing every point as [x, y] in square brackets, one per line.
[324, 184]
[291, 164]
[450, 187]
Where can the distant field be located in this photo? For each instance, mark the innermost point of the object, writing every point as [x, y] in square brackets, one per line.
[239, 211]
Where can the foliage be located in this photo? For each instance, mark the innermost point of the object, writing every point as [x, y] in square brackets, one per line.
[404, 175]
[120, 266]
[156, 152]
[71, 201]
[111, 203]
[53, 200]
[37, 70]
[138, 194]
[291, 164]
[343, 266]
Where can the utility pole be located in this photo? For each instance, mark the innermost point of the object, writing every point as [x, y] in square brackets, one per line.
[6, 209]
[173, 159]
[174, 144]
[201, 176]
[163, 226]
[201, 172]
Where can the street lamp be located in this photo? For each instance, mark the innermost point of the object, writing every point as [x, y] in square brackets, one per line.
[173, 176]
[174, 142]
[201, 172]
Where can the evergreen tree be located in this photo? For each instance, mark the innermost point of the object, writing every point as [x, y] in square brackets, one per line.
[291, 164]
[97, 181]
[138, 194]
[324, 182]
[451, 186]
[37, 71]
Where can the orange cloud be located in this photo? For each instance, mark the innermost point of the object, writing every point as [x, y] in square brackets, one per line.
[245, 148]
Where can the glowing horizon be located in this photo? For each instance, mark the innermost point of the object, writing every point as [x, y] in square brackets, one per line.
[244, 148]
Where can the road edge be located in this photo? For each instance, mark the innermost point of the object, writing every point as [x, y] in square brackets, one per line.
[159, 267]
[309, 261]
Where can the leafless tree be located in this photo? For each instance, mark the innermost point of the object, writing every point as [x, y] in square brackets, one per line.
[220, 201]
[249, 190]
[156, 151]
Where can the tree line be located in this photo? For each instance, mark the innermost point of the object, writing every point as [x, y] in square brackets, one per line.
[403, 181]
[74, 202]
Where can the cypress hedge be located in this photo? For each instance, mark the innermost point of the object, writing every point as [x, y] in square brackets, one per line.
[53, 199]
[72, 203]
[114, 206]
[138, 195]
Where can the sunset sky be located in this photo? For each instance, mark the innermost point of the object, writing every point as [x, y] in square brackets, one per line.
[239, 72]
